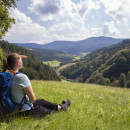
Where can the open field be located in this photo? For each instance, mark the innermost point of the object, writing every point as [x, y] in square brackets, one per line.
[93, 107]
[54, 63]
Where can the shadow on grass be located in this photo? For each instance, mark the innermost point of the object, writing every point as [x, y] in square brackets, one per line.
[8, 119]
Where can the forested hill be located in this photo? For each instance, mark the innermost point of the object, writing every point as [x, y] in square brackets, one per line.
[75, 47]
[106, 66]
[50, 55]
[32, 66]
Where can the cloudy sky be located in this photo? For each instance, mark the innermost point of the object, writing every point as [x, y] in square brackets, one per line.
[44, 21]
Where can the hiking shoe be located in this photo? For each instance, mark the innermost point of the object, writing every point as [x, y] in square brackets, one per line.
[65, 105]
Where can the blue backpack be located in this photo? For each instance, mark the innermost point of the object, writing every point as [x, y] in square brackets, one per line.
[7, 104]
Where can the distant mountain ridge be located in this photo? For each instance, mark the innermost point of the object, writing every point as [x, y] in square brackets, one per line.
[75, 47]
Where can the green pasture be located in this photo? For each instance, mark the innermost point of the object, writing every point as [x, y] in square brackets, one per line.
[76, 58]
[54, 63]
[93, 107]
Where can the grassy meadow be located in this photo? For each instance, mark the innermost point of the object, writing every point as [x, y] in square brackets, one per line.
[53, 63]
[93, 107]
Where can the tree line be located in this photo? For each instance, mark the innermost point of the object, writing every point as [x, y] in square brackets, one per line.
[5, 20]
[50, 55]
[106, 66]
[32, 66]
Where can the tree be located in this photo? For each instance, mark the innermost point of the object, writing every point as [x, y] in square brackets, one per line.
[5, 20]
[128, 80]
[128, 84]
[116, 83]
[122, 80]
[1, 59]
[128, 75]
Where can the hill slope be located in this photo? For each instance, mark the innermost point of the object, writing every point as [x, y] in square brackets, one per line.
[32, 66]
[102, 66]
[93, 107]
[51, 55]
[91, 44]
[87, 45]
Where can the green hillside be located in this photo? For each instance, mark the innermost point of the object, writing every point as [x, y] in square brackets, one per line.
[32, 66]
[51, 55]
[93, 107]
[106, 66]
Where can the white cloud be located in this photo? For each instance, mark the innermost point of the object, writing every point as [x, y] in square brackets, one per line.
[24, 29]
[70, 20]
[70, 17]
[118, 10]
[86, 6]
[110, 29]
[96, 32]
[60, 9]
[52, 9]
[70, 30]
[44, 7]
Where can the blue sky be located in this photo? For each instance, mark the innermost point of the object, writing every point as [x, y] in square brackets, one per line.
[44, 21]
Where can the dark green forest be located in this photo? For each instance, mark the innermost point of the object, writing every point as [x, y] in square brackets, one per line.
[50, 55]
[32, 66]
[106, 66]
